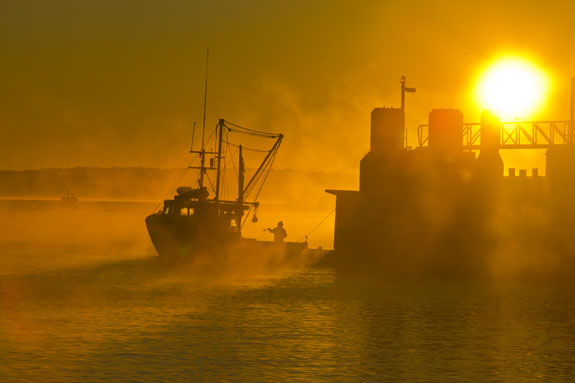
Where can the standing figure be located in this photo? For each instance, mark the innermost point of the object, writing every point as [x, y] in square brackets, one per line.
[279, 232]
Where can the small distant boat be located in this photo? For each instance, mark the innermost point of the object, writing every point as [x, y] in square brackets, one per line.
[192, 223]
[69, 199]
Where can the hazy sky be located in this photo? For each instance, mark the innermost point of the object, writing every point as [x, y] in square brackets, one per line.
[120, 82]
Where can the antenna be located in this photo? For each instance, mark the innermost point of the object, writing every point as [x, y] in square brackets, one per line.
[404, 89]
[193, 135]
[205, 96]
[203, 152]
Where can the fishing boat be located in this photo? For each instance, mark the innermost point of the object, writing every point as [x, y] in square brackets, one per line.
[195, 223]
[69, 199]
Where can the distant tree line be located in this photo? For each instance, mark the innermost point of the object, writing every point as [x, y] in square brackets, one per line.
[137, 183]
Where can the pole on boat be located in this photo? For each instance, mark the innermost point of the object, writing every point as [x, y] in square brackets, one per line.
[241, 171]
[220, 138]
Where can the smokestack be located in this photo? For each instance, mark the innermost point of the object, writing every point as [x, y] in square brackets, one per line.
[489, 161]
[386, 129]
[490, 131]
[377, 166]
[446, 129]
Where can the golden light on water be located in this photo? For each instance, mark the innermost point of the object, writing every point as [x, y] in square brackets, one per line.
[513, 88]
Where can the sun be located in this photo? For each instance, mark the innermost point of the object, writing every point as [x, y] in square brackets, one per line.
[512, 88]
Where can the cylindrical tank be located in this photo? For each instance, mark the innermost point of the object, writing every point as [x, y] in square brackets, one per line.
[490, 131]
[489, 161]
[386, 129]
[445, 129]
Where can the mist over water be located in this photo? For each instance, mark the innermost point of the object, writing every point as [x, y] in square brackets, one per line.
[84, 298]
[447, 276]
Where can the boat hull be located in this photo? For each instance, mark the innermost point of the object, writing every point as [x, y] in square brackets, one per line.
[186, 240]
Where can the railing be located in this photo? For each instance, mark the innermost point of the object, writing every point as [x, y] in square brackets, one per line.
[513, 135]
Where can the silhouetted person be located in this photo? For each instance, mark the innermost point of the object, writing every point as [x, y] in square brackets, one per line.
[279, 232]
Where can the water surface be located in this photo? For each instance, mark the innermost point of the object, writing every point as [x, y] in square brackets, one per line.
[97, 305]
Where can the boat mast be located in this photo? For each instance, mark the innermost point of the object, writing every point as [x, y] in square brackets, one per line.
[241, 177]
[240, 209]
[203, 152]
[219, 172]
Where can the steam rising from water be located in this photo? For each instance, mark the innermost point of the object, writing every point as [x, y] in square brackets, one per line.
[37, 235]
[40, 235]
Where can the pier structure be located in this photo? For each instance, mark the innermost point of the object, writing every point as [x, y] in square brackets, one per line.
[447, 203]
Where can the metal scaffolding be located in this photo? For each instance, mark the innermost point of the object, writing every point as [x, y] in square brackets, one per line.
[513, 135]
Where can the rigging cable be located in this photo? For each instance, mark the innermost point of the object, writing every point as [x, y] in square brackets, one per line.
[223, 183]
[265, 169]
[247, 133]
[210, 181]
[318, 225]
[232, 155]
[193, 135]
[251, 130]
[246, 148]
[268, 167]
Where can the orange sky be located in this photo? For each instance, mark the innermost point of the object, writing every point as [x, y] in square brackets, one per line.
[120, 83]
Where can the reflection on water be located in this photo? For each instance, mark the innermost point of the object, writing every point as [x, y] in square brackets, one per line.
[114, 313]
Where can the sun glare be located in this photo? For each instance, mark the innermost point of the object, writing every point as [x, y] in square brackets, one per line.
[512, 88]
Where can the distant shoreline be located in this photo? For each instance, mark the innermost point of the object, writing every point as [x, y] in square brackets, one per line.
[284, 186]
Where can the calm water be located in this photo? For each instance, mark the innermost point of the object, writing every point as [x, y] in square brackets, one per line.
[90, 303]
